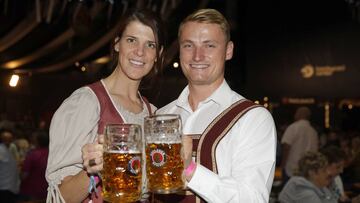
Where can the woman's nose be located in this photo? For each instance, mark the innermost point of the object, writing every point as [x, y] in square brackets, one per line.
[139, 50]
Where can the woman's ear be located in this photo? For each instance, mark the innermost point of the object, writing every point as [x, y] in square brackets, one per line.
[116, 44]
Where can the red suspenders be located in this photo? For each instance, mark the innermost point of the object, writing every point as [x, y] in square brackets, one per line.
[205, 145]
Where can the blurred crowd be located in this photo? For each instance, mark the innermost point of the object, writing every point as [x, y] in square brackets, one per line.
[312, 166]
[316, 166]
[23, 159]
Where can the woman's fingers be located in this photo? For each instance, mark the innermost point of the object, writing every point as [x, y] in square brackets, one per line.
[92, 157]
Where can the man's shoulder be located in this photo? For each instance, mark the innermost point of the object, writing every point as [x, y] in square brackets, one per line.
[167, 108]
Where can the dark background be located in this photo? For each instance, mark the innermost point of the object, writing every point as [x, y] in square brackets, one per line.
[273, 41]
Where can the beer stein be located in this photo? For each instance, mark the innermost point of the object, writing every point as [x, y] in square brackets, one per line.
[164, 165]
[122, 174]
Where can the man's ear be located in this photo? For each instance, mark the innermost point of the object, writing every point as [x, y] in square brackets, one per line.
[229, 50]
[116, 44]
[160, 52]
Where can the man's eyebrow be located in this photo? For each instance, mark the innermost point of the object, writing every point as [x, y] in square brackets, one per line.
[210, 41]
[186, 41]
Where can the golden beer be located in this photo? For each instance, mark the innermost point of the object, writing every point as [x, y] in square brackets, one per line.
[164, 167]
[121, 176]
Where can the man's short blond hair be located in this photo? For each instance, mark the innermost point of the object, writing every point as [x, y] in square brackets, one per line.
[210, 16]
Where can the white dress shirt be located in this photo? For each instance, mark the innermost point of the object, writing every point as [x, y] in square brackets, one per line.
[245, 156]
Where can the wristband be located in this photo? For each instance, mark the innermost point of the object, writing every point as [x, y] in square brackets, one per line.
[94, 179]
[190, 169]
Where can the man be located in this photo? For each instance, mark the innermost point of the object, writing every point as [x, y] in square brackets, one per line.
[9, 174]
[298, 138]
[245, 156]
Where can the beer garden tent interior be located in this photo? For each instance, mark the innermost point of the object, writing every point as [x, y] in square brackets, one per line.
[287, 53]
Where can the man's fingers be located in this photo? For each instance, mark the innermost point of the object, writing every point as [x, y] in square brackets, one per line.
[100, 139]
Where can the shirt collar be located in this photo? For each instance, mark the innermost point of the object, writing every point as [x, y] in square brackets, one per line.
[221, 96]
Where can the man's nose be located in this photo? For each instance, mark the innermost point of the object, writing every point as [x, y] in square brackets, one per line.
[198, 54]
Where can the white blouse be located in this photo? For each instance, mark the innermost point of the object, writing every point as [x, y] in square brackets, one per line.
[74, 124]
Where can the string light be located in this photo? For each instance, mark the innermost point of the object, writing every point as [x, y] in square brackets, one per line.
[175, 64]
[14, 80]
[327, 115]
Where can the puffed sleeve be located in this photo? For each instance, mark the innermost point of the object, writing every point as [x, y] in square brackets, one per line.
[73, 125]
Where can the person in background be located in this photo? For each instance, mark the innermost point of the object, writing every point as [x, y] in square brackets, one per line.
[298, 138]
[309, 184]
[336, 158]
[245, 155]
[33, 183]
[9, 174]
[75, 150]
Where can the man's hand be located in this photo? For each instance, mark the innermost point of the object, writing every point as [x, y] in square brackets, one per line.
[187, 150]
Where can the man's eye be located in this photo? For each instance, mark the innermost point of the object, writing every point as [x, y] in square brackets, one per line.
[211, 46]
[151, 45]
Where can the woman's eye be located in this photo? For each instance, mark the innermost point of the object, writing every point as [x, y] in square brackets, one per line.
[186, 45]
[130, 40]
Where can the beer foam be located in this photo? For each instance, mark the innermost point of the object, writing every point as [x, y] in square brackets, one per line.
[161, 138]
[123, 152]
[164, 141]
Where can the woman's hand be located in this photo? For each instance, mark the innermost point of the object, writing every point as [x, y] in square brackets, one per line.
[92, 155]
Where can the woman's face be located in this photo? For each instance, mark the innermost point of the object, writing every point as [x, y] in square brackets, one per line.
[137, 50]
[335, 169]
[321, 177]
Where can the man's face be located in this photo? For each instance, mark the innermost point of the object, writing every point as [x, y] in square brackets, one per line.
[203, 52]
[6, 138]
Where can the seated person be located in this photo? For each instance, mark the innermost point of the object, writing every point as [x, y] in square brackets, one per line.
[336, 158]
[309, 184]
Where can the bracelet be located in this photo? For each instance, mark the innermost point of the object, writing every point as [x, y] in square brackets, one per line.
[190, 169]
[94, 179]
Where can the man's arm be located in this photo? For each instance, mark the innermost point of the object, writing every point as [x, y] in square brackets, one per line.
[285, 148]
[246, 163]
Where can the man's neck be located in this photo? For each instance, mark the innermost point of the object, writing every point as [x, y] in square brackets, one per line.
[198, 93]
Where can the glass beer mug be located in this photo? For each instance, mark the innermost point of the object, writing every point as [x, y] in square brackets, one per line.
[121, 174]
[164, 165]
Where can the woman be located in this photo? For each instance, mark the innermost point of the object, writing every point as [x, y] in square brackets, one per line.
[310, 185]
[33, 184]
[78, 121]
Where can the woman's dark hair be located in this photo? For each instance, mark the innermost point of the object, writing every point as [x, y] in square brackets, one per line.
[151, 19]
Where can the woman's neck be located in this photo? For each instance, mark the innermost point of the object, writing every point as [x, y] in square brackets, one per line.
[119, 85]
